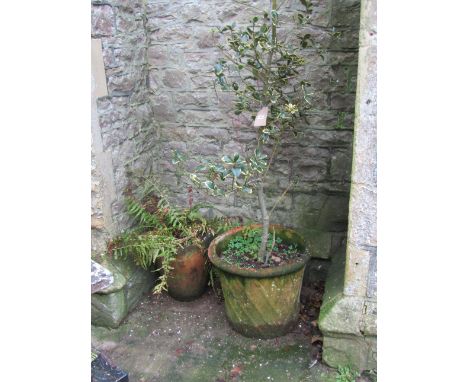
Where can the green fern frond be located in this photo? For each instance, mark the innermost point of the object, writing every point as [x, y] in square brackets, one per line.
[144, 218]
[161, 229]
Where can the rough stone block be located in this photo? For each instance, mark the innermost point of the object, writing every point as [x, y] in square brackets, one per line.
[342, 102]
[126, 23]
[138, 283]
[319, 243]
[97, 223]
[348, 40]
[338, 243]
[372, 355]
[340, 168]
[334, 214]
[101, 277]
[200, 117]
[345, 13]
[118, 283]
[341, 315]
[341, 58]
[108, 309]
[372, 275]
[339, 351]
[175, 79]
[331, 138]
[202, 81]
[363, 216]
[357, 269]
[122, 83]
[161, 56]
[369, 320]
[207, 39]
[111, 305]
[102, 21]
[164, 108]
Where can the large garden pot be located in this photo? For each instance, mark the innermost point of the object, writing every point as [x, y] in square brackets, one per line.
[189, 277]
[260, 303]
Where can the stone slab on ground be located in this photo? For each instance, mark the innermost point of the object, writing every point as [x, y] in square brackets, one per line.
[168, 341]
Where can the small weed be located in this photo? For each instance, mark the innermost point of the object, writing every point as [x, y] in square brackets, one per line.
[243, 249]
[346, 374]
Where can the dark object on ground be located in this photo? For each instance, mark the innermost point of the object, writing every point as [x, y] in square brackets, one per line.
[102, 370]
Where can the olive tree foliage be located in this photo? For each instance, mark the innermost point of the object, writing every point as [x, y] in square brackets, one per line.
[261, 71]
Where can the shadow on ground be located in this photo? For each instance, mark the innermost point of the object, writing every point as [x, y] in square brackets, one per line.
[164, 340]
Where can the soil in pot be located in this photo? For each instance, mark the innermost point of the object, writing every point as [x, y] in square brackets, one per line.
[242, 250]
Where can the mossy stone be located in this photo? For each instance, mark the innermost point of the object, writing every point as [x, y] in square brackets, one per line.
[108, 310]
[138, 283]
[111, 305]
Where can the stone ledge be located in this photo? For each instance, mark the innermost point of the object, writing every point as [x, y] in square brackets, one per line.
[348, 323]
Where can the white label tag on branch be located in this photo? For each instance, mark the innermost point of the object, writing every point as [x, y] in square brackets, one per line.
[260, 119]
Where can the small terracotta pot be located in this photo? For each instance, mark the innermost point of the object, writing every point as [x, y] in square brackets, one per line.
[260, 303]
[189, 276]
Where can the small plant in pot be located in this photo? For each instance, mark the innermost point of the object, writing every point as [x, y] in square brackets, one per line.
[260, 266]
[169, 239]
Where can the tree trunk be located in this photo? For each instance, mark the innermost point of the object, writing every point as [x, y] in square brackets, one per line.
[262, 253]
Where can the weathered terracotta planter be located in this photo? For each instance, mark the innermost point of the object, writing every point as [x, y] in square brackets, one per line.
[189, 276]
[261, 303]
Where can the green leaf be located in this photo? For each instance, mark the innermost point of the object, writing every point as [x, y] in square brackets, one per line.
[218, 68]
[194, 179]
[236, 171]
[209, 184]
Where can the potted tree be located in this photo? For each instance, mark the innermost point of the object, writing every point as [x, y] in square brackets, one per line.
[171, 240]
[260, 266]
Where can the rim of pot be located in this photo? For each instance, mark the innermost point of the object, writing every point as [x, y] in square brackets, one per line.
[255, 273]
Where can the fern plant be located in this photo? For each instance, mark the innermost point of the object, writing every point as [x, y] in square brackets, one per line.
[160, 229]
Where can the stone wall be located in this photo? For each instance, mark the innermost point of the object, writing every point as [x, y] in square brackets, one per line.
[181, 54]
[158, 57]
[348, 316]
[123, 128]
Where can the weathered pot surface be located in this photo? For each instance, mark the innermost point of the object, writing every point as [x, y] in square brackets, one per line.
[260, 303]
[189, 277]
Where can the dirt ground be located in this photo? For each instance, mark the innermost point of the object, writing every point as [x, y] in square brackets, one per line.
[164, 340]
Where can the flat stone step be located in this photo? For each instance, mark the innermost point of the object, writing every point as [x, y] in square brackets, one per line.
[102, 370]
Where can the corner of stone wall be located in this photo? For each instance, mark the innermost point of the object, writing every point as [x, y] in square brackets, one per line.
[124, 123]
[349, 311]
